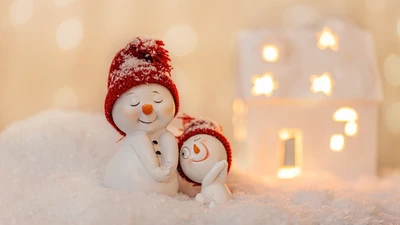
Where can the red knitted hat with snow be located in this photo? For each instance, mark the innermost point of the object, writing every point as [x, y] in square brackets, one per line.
[142, 61]
[193, 126]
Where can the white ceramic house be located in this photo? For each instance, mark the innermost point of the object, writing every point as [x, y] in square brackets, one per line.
[307, 101]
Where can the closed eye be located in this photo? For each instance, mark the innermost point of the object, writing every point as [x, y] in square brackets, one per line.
[158, 101]
[135, 104]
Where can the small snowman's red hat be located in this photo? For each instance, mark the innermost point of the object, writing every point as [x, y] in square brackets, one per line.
[193, 126]
[142, 61]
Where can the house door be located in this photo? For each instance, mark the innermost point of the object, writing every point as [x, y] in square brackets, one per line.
[290, 153]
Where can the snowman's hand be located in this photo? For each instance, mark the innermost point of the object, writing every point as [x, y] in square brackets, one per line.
[221, 165]
[223, 172]
[213, 174]
[141, 145]
[200, 198]
[169, 150]
[161, 175]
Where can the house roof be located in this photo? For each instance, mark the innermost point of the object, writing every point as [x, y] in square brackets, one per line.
[353, 67]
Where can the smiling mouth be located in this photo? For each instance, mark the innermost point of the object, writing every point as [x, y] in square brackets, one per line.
[147, 122]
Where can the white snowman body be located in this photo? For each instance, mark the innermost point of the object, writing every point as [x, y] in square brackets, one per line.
[203, 159]
[126, 172]
[147, 158]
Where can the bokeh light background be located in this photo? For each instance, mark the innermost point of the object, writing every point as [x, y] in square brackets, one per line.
[56, 53]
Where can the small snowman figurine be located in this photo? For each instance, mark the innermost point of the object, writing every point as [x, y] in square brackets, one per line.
[205, 159]
[142, 100]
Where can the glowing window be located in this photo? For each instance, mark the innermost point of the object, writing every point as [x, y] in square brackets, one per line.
[270, 53]
[351, 128]
[323, 83]
[328, 39]
[337, 142]
[345, 114]
[263, 85]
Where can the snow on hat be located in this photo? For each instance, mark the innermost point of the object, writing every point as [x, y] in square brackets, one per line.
[193, 126]
[142, 61]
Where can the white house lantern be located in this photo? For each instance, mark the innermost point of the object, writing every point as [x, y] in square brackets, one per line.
[316, 111]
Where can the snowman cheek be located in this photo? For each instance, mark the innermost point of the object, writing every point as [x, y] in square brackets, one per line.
[186, 162]
[132, 113]
[167, 109]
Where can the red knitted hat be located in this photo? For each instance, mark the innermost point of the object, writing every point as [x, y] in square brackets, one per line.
[142, 61]
[193, 126]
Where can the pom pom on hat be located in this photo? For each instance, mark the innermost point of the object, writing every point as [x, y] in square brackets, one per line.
[194, 126]
[142, 61]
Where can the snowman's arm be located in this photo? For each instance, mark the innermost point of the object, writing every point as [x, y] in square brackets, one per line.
[169, 150]
[144, 150]
[212, 174]
[223, 173]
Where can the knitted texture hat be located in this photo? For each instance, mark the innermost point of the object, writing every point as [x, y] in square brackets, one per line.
[193, 126]
[142, 61]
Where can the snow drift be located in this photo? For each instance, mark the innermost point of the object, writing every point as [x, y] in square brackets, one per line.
[51, 168]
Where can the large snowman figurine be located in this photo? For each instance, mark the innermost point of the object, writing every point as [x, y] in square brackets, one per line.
[205, 159]
[141, 101]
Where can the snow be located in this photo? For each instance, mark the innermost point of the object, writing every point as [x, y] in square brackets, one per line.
[51, 166]
[135, 64]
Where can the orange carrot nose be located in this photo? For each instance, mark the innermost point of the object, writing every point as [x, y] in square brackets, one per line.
[147, 109]
[196, 149]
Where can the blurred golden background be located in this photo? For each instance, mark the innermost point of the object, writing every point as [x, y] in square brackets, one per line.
[56, 53]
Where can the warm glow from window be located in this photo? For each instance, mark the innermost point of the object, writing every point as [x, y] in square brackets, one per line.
[323, 83]
[337, 142]
[284, 135]
[270, 53]
[239, 107]
[289, 172]
[69, 34]
[290, 153]
[345, 114]
[351, 128]
[328, 39]
[263, 85]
